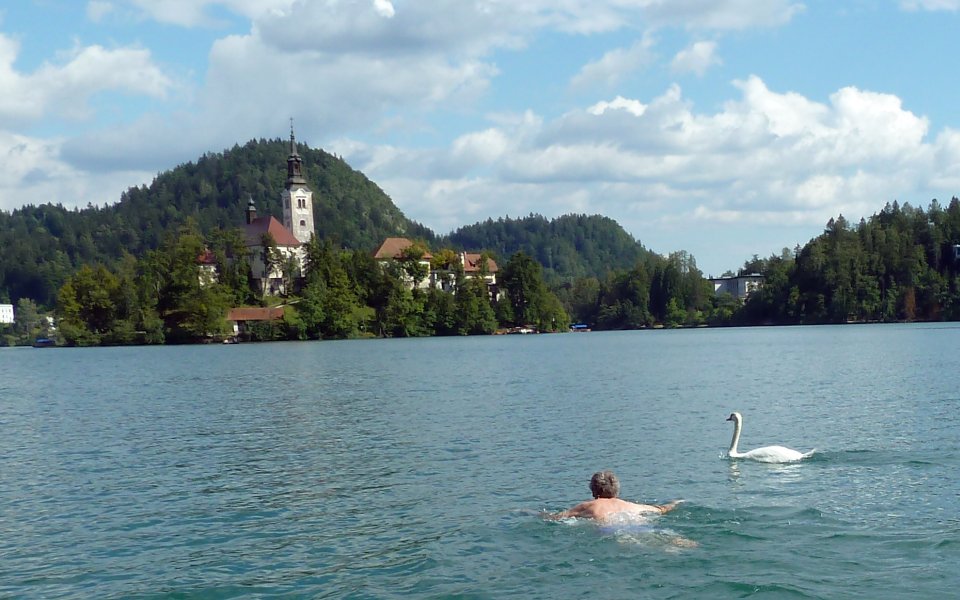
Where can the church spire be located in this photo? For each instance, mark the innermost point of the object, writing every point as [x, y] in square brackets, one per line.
[294, 164]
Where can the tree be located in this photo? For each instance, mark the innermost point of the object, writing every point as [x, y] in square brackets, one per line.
[87, 306]
[524, 287]
[410, 262]
[28, 323]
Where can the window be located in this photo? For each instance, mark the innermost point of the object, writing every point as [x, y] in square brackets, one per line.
[303, 223]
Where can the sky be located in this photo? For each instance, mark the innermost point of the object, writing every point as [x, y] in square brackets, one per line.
[724, 128]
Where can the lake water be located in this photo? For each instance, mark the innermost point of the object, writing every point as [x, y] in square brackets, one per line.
[416, 467]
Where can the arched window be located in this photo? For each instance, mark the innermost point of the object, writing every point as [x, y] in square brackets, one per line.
[303, 223]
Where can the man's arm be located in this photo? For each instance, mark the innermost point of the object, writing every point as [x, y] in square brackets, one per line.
[665, 508]
[577, 511]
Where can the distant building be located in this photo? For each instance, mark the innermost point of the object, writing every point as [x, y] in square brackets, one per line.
[740, 287]
[472, 269]
[392, 249]
[6, 314]
[290, 236]
[241, 318]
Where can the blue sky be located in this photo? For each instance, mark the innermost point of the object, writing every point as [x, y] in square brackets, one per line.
[725, 128]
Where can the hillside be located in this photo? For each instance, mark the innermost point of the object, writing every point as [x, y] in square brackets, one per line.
[568, 247]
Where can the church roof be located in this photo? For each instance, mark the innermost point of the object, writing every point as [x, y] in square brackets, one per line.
[207, 257]
[261, 225]
[393, 246]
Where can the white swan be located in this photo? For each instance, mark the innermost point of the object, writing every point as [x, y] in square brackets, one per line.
[768, 454]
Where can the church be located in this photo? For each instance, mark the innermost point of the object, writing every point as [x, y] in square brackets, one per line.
[290, 236]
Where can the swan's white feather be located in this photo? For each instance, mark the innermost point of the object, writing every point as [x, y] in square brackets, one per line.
[767, 454]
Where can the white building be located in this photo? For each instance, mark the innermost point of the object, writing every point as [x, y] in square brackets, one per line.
[6, 314]
[740, 287]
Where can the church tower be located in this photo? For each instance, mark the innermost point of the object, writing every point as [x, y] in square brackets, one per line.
[297, 198]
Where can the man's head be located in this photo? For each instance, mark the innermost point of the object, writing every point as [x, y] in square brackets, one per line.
[605, 485]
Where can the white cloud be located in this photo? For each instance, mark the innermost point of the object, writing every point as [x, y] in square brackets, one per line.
[696, 58]
[615, 65]
[384, 8]
[634, 107]
[65, 89]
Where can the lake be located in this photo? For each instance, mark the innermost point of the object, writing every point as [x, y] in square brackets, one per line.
[417, 467]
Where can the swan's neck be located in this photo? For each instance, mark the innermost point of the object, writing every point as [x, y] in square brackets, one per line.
[736, 437]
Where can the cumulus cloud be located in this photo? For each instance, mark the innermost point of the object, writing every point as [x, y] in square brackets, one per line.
[64, 89]
[696, 58]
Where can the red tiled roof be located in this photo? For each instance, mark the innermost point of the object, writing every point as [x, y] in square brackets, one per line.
[261, 225]
[207, 258]
[254, 313]
[472, 263]
[393, 246]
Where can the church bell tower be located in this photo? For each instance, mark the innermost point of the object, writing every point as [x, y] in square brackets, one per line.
[297, 198]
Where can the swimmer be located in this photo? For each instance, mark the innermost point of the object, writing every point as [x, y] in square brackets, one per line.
[605, 488]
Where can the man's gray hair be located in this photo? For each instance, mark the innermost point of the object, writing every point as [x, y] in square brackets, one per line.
[605, 484]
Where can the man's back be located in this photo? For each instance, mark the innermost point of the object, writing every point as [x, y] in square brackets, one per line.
[602, 508]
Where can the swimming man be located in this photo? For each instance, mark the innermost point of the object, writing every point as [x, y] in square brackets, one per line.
[605, 488]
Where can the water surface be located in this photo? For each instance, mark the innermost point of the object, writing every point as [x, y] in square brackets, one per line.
[389, 468]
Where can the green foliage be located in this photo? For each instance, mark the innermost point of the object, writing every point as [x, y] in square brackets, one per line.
[531, 303]
[567, 248]
[898, 265]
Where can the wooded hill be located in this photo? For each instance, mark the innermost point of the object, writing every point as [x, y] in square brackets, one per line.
[45, 244]
[568, 247]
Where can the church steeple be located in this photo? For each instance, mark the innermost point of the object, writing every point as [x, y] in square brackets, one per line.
[294, 164]
[297, 198]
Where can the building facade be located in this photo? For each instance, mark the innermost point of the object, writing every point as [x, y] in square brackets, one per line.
[740, 287]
